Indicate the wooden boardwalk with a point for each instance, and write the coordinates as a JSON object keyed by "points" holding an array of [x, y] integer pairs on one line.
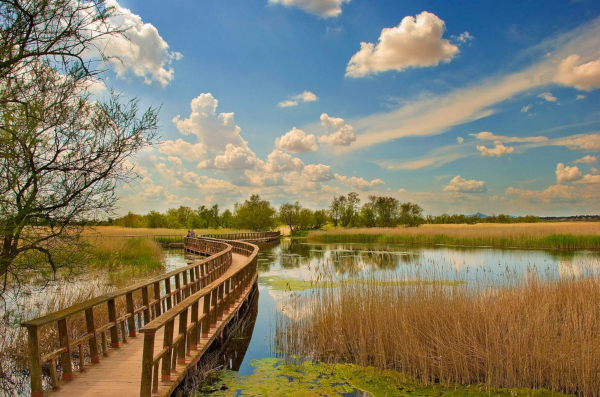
{"points": [[120, 374], [149, 335]]}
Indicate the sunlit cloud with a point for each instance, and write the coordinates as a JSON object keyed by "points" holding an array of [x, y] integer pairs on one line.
{"points": [[358, 183], [415, 42], [583, 76], [320, 8], [436, 115], [459, 184], [589, 159], [297, 141], [567, 174], [498, 150], [340, 133]]}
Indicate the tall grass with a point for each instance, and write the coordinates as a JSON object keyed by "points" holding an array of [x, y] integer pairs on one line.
{"points": [[536, 334], [559, 235]]}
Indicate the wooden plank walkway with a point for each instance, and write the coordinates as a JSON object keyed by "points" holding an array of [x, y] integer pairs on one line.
{"points": [[119, 374]]}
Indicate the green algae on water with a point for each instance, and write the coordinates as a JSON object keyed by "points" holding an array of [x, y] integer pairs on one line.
{"points": [[277, 283], [272, 377], [292, 284]]}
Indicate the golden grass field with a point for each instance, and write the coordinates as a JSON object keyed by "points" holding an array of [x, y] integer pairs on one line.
{"points": [[561, 235]]}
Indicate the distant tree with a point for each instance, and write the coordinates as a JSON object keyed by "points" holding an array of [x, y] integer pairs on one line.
{"points": [[254, 214], [335, 210], [367, 215], [155, 220], [349, 207], [411, 215], [226, 219], [320, 218], [290, 215], [305, 219], [130, 220]]}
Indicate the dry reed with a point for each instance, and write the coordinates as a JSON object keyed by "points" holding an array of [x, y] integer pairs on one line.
{"points": [[536, 334], [560, 235]]}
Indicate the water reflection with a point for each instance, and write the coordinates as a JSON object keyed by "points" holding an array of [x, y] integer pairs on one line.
{"points": [[300, 259]]}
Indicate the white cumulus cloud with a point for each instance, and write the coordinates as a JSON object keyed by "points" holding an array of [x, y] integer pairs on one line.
{"points": [[320, 8], [142, 51], [358, 183], [306, 96], [553, 194], [567, 174], [584, 76], [415, 42], [187, 151], [296, 141], [341, 134], [235, 157], [461, 185], [279, 161], [214, 131], [498, 150], [589, 159], [317, 173]]}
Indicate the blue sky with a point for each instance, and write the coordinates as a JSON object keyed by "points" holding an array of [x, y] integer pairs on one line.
{"points": [[461, 107]]}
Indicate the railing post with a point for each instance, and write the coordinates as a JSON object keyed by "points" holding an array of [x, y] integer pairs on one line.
{"points": [[194, 320], [65, 357], [131, 311], [169, 297], [178, 291], [91, 329], [183, 317], [112, 317], [185, 291], [147, 359], [35, 365], [146, 303], [206, 314], [213, 310], [157, 306], [166, 360]]}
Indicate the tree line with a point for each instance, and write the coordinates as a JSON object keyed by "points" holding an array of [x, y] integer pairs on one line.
{"points": [[343, 211]]}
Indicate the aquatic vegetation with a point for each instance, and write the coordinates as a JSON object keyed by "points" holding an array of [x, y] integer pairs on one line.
{"points": [[275, 377], [536, 333]]}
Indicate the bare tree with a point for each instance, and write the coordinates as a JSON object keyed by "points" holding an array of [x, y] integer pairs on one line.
{"points": [[61, 154]]}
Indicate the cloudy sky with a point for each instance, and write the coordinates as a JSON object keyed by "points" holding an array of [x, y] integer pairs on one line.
{"points": [[462, 107]]}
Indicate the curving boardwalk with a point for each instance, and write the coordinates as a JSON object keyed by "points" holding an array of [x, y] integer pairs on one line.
{"points": [[148, 335]]}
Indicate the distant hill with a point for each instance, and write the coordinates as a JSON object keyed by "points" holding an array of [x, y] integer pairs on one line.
{"points": [[478, 215]]}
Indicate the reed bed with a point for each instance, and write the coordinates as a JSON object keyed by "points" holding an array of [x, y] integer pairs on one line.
{"points": [[537, 333], [559, 235], [124, 231]]}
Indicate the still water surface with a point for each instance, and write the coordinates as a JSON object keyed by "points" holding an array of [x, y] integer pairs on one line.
{"points": [[297, 259]]}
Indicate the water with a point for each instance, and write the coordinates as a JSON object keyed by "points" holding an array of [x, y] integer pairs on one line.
{"points": [[299, 260]]}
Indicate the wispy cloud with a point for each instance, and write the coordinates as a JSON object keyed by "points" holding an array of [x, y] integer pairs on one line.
{"points": [[432, 116]]}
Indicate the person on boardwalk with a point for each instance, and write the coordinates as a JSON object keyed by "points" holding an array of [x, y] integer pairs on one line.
{"points": [[192, 233]]}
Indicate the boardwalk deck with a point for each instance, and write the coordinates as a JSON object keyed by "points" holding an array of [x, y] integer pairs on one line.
{"points": [[120, 373]]}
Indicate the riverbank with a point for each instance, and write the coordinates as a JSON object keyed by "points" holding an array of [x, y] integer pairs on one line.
{"points": [[558, 235]]}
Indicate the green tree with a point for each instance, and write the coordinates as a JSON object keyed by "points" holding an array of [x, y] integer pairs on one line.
{"points": [[155, 220], [226, 219], [290, 215], [254, 214], [61, 154], [411, 215], [320, 218]]}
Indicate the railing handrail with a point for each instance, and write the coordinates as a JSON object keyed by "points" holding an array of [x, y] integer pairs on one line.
{"points": [[77, 308], [159, 322]]}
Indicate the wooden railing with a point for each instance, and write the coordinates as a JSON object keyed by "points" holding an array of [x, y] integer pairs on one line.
{"points": [[197, 315], [117, 314], [249, 236]]}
